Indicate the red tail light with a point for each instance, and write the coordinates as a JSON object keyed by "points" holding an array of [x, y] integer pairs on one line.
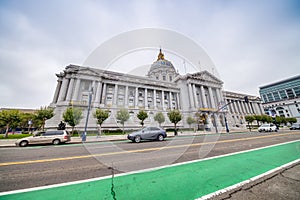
{"points": [[65, 137]]}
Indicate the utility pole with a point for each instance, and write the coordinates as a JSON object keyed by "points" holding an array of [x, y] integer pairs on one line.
{"points": [[83, 137]]}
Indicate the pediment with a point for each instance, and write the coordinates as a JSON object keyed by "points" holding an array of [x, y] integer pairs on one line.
{"points": [[88, 71], [205, 76]]}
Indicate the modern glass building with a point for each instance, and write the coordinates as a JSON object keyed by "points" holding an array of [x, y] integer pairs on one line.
{"points": [[282, 98], [281, 90]]}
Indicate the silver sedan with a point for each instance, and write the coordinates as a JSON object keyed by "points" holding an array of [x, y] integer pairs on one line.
{"points": [[148, 133]]}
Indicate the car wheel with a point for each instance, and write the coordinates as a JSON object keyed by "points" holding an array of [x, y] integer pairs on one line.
{"points": [[137, 139], [23, 143], [160, 137], [260, 131], [56, 141]]}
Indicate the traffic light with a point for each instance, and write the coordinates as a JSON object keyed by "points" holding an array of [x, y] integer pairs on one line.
{"points": [[246, 99]]}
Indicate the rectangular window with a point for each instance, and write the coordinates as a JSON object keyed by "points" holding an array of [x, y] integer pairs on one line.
{"points": [[265, 98], [276, 96], [110, 89], [297, 91], [270, 97], [290, 93], [283, 94]]}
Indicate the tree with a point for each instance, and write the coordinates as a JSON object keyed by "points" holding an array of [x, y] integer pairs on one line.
{"points": [[101, 116], [257, 118], [175, 117], [249, 119], [142, 115], [190, 120], [266, 118], [123, 116], [291, 120], [72, 116], [25, 118], [159, 117], [9, 118], [43, 114]]}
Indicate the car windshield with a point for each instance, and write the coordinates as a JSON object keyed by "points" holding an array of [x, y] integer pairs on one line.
{"points": [[265, 125]]}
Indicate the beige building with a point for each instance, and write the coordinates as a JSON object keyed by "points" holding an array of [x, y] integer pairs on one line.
{"points": [[198, 95]]}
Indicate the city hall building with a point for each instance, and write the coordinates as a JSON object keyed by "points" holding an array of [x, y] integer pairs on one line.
{"points": [[199, 95]]}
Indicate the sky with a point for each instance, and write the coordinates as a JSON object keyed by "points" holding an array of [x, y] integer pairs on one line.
{"points": [[251, 42]]}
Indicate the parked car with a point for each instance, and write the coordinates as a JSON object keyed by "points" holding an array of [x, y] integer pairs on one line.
{"points": [[55, 137], [267, 128], [148, 133], [295, 127]]}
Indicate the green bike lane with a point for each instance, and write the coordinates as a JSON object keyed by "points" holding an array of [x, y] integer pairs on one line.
{"points": [[190, 180]]}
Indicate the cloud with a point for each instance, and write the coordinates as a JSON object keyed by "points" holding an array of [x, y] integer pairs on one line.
{"points": [[252, 43]]}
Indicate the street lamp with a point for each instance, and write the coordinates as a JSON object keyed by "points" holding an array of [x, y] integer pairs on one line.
{"points": [[83, 136]]}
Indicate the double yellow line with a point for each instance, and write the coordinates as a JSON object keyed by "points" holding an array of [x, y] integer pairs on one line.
{"points": [[140, 150]]}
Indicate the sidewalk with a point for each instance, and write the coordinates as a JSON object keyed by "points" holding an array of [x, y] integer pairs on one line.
{"points": [[106, 138]]}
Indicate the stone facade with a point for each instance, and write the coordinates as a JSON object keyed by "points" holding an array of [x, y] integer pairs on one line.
{"points": [[198, 95]]}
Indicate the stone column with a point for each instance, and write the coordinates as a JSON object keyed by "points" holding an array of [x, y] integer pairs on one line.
{"points": [[98, 92], [191, 96], [126, 96], [58, 86], [246, 107], [203, 96], [243, 107], [170, 101], [103, 94], [115, 95], [70, 90], [177, 100], [94, 91], [136, 97], [218, 98], [212, 100], [261, 108], [234, 106], [63, 90], [239, 107], [154, 99], [146, 98], [230, 106], [163, 99], [251, 107], [77, 86], [195, 96], [256, 108]]}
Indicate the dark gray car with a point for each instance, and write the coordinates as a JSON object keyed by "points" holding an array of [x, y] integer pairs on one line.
{"points": [[148, 133]]}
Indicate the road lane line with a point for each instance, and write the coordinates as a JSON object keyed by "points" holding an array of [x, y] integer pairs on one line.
{"points": [[139, 150]]}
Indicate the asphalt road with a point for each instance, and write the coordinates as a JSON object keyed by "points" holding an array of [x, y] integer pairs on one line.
{"points": [[45, 165]]}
